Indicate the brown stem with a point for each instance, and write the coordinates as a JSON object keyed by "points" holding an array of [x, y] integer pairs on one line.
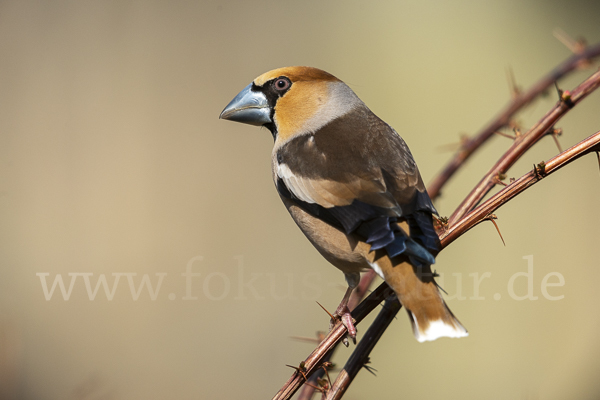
{"points": [[315, 359], [479, 214], [523, 143], [503, 119], [359, 293], [360, 356]]}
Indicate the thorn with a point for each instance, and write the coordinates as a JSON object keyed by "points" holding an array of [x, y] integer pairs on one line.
{"points": [[324, 384], [440, 223], [304, 339], [493, 217], [312, 386], [327, 365], [435, 275], [598, 156], [464, 138], [555, 134], [539, 170], [442, 220], [517, 131], [506, 135], [499, 178], [576, 46], [324, 309], [321, 382], [557, 131], [345, 341], [301, 369], [559, 91], [448, 147], [318, 339], [515, 90], [369, 368]]}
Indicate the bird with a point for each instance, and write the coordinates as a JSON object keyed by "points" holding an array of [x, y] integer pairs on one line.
{"points": [[352, 186]]}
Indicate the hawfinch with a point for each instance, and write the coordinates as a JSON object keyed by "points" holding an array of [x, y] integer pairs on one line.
{"points": [[352, 186]]}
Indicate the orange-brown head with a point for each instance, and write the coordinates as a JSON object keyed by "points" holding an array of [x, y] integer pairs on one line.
{"points": [[292, 101]]}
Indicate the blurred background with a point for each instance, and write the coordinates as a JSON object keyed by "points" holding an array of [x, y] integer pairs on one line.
{"points": [[114, 165]]}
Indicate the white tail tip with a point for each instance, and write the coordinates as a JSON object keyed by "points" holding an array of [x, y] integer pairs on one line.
{"points": [[438, 329]]}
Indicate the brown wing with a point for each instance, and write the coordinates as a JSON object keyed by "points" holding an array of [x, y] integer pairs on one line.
{"points": [[357, 157], [356, 173]]}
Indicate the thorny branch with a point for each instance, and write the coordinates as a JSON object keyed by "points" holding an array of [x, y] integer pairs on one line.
{"points": [[539, 172], [523, 142], [359, 293], [520, 100], [360, 357], [482, 213], [314, 360], [464, 218]]}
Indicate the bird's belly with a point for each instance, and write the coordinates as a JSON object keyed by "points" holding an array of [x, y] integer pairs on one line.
{"points": [[345, 252]]}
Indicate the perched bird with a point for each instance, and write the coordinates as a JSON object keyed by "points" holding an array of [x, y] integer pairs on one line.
{"points": [[352, 186]]}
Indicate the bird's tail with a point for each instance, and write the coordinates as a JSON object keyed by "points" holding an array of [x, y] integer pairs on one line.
{"points": [[419, 295]]}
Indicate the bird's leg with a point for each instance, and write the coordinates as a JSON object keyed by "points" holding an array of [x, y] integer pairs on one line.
{"points": [[343, 313]]}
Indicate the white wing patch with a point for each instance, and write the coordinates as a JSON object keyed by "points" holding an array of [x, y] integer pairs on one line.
{"points": [[377, 269], [311, 190], [294, 185]]}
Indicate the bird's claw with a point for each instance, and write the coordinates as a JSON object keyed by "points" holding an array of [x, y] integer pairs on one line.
{"points": [[348, 322], [343, 315]]}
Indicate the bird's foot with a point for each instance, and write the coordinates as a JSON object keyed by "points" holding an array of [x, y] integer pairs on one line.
{"points": [[343, 314]]}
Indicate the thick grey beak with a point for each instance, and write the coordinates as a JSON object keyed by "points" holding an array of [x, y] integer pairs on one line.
{"points": [[248, 107]]}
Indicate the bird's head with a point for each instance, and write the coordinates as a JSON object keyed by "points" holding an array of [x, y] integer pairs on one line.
{"points": [[291, 101]]}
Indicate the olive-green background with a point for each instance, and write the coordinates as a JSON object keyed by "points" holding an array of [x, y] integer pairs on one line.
{"points": [[113, 160]]}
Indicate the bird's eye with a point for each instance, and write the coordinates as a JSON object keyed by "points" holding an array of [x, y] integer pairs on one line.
{"points": [[282, 84]]}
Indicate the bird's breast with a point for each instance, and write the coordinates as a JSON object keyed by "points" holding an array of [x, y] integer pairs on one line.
{"points": [[345, 252]]}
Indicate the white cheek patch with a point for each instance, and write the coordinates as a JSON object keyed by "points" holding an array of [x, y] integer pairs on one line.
{"points": [[294, 185]]}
